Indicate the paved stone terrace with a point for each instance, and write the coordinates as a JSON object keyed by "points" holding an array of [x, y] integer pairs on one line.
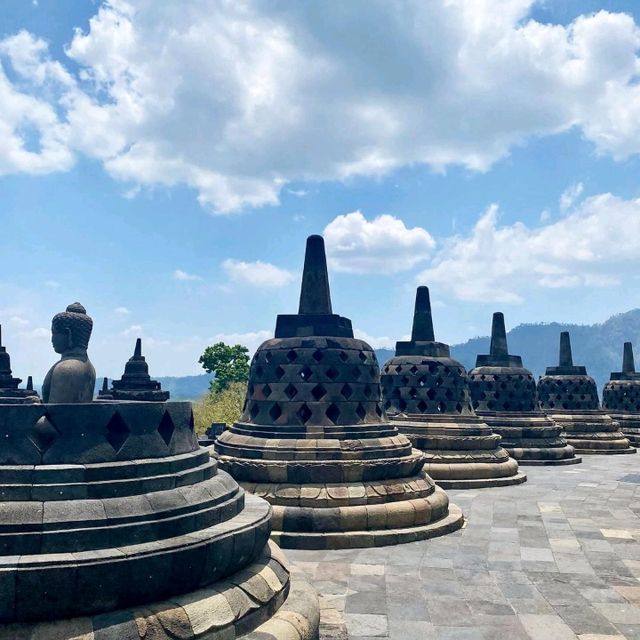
{"points": [[553, 559]]}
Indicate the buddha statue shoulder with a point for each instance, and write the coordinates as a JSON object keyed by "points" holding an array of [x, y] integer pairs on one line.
{"points": [[72, 379]]}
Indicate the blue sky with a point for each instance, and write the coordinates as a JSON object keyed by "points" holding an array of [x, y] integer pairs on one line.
{"points": [[164, 167]]}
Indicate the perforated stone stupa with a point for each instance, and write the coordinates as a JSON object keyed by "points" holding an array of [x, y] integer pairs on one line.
{"points": [[621, 396], [427, 397], [115, 525], [314, 439], [503, 393], [136, 383], [10, 393], [570, 397]]}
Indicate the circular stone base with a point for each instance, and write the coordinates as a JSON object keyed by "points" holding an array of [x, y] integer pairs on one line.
{"points": [[374, 538], [541, 463], [481, 483], [605, 452], [263, 601]]}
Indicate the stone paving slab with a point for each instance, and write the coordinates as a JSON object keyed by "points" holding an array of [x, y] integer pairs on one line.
{"points": [[555, 558]]}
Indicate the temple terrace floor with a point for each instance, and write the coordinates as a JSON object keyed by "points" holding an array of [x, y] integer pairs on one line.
{"points": [[557, 557]]}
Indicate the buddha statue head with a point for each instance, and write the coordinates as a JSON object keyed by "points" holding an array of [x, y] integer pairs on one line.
{"points": [[71, 329]]}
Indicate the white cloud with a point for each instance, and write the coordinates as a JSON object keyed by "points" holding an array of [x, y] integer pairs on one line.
{"points": [[236, 100], [39, 333], [570, 196], [183, 276], [252, 339], [384, 245], [52, 284], [121, 311], [18, 321], [377, 342], [257, 274], [134, 330], [591, 246]]}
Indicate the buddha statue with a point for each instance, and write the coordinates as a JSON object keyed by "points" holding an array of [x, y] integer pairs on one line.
{"points": [[72, 379]]}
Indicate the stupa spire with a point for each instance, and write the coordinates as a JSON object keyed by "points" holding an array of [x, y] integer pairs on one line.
{"points": [[315, 296], [30, 383], [137, 352], [422, 320], [499, 348], [628, 362], [566, 358]]}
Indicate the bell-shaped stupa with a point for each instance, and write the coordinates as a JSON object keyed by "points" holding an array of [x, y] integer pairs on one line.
{"points": [[504, 394], [314, 439], [570, 398], [136, 383], [621, 396], [10, 393], [426, 394], [116, 524]]}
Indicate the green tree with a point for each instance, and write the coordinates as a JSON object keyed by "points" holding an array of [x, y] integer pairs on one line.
{"points": [[227, 363], [222, 406]]}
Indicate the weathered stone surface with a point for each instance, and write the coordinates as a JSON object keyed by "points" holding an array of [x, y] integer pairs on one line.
{"points": [[504, 395], [314, 430], [570, 397], [427, 397]]}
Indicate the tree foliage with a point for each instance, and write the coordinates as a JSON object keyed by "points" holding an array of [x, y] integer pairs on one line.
{"points": [[219, 406], [228, 364]]}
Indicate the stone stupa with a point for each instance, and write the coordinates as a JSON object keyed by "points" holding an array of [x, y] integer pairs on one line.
{"points": [[136, 383], [570, 398], [10, 393], [504, 394], [314, 439], [427, 397], [116, 525], [621, 396]]}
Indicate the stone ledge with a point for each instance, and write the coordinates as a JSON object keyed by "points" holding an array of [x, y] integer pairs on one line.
{"points": [[483, 483]]}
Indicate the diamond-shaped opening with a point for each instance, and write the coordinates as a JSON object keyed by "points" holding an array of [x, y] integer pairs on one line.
{"points": [[413, 392], [43, 433], [404, 380], [433, 367], [275, 412], [442, 407], [118, 431], [356, 373], [421, 381], [360, 412], [268, 357], [431, 394], [459, 408], [304, 413], [266, 390], [343, 356], [439, 381], [422, 406], [362, 357], [290, 391], [414, 370], [333, 413], [332, 373], [292, 356], [317, 355], [166, 428], [402, 405], [255, 410], [318, 392], [398, 368], [378, 410], [279, 373], [346, 391]]}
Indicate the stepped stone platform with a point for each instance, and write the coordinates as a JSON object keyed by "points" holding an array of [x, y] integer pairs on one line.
{"points": [[504, 395], [315, 442], [115, 524], [570, 397], [621, 397], [427, 397]]}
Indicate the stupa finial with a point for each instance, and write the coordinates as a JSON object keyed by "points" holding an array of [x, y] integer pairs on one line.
{"points": [[105, 385], [137, 353], [498, 347], [29, 383], [422, 320], [315, 296], [566, 358], [628, 363]]}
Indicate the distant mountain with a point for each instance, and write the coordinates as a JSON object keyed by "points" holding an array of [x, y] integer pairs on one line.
{"points": [[181, 387], [597, 346]]}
